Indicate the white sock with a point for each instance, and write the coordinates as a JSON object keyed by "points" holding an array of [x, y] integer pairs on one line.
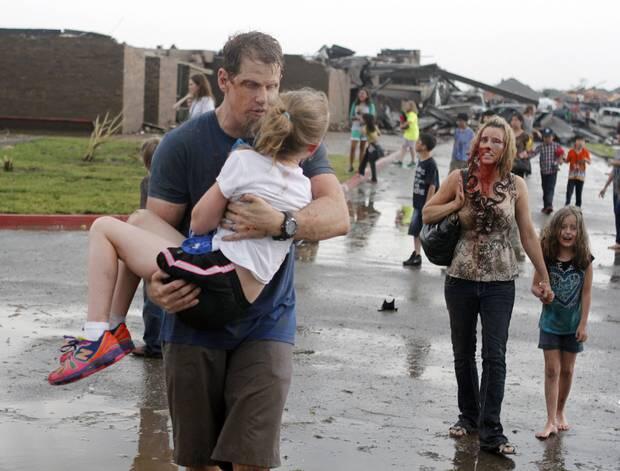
{"points": [[116, 320], [94, 330]]}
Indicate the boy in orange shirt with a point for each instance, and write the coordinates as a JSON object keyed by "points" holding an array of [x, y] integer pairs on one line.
{"points": [[578, 157]]}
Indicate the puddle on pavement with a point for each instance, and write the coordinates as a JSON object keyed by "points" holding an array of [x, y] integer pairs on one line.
{"points": [[370, 240], [118, 417], [467, 457], [385, 355]]}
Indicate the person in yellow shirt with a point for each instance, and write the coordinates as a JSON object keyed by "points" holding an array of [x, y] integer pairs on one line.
{"points": [[411, 132]]}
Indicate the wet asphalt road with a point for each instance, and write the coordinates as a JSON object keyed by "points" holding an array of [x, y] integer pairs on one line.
{"points": [[371, 390]]}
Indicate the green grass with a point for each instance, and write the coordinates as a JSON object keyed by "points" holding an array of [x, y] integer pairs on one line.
{"points": [[602, 150], [341, 166], [49, 177]]}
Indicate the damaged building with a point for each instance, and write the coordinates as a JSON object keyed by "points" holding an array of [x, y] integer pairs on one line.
{"points": [[64, 79], [396, 75]]}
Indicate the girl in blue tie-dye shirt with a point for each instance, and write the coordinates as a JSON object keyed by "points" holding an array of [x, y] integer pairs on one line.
{"points": [[563, 322]]}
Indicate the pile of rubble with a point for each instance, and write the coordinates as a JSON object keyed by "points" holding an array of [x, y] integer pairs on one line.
{"points": [[396, 75]]}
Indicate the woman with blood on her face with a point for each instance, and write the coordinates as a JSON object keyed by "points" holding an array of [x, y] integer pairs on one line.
{"points": [[488, 198]]}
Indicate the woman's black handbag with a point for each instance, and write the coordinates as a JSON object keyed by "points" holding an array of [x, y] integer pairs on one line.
{"points": [[439, 239]]}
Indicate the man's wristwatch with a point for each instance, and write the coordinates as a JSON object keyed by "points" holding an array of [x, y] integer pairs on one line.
{"points": [[288, 229]]}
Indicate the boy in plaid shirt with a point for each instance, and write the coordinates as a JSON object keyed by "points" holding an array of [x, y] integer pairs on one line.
{"points": [[551, 156]]}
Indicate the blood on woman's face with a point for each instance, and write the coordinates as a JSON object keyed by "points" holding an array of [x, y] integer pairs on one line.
{"points": [[491, 146]]}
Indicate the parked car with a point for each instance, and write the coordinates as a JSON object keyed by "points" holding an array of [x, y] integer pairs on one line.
{"points": [[607, 117]]}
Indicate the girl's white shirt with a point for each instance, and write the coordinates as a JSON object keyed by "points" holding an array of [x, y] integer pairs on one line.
{"points": [[283, 187], [201, 106]]}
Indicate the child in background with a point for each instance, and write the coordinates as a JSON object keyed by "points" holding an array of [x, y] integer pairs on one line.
{"points": [[578, 157], [373, 149], [146, 152], [425, 184], [551, 155], [463, 135], [233, 275], [563, 322], [152, 314], [614, 178], [411, 132], [362, 105]]}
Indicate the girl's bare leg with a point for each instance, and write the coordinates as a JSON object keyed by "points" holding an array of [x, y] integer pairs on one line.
{"points": [[567, 367], [352, 154], [552, 376], [109, 241], [400, 153], [413, 154], [127, 282]]}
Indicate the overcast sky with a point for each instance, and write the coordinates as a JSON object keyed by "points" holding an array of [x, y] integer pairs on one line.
{"points": [[544, 43]]}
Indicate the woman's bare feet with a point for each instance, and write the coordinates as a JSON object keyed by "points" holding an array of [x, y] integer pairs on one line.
{"points": [[550, 429], [561, 422]]}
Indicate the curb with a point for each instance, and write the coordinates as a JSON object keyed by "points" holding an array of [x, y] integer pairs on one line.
{"points": [[357, 179], [52, 222]]}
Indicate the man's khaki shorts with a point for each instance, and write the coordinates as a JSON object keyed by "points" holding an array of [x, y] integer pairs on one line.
{"points": [[226, 406]]}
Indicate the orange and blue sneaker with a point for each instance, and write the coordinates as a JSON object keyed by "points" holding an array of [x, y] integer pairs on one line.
{"points": [[82, 358], [121, 332]]}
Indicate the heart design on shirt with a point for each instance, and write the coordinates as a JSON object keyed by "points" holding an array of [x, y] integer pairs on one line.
{"points": [[566, 286]]}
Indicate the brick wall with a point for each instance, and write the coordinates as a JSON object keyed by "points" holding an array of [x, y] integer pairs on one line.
{"points": [[339, 91], [167, 91], [298, 73], [48, 75], [151, 90], [160, 90], [133, 89]]}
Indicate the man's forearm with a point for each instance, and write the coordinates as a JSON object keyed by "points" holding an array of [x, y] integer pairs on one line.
{"points": [[327, 215], [323, 218]]}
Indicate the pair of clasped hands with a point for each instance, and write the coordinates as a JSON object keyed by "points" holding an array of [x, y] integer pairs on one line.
{"points": [[542, 290]]}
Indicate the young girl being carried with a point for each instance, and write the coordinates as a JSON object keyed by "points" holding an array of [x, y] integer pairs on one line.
{"points": [[563, 322], [233, 275]]}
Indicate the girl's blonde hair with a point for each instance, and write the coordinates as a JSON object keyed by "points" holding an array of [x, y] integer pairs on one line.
{"points": [[147, 150], [504, 164], [551, 234], [410, 105], [297, 120]]}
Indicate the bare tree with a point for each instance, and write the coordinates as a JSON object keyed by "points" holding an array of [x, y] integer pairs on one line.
{"points": [[102, 131]]}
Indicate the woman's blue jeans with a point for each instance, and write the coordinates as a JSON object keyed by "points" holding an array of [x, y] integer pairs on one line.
{"points": [[480, 404]]}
